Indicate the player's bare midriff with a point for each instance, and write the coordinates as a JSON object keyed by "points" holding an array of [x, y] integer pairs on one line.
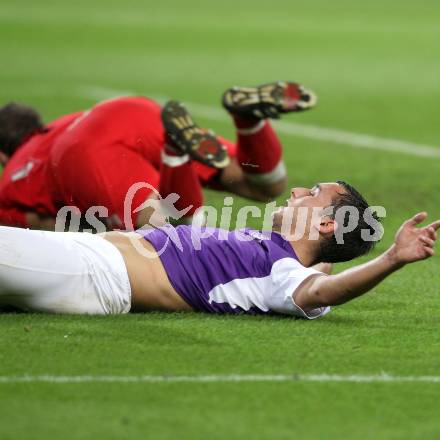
{"points": [[150, 286]]}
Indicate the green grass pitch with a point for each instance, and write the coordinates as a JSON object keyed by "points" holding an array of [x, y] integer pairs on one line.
{"points": [[376, 68]]}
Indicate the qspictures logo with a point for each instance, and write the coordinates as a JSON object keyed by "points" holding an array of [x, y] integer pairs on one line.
{"points": [[293, 223]]}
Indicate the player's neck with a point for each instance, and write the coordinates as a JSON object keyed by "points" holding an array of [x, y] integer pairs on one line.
{"points": [[306, 250]]}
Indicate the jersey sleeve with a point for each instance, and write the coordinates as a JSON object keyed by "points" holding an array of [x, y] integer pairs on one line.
{"points": [[287, 275]]}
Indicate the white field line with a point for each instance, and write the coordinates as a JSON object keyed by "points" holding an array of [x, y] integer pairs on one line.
{"points": [[323, 378], [356, 140]]}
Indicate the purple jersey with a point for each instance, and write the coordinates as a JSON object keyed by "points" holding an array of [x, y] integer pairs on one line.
{"points": [[242, 271]]}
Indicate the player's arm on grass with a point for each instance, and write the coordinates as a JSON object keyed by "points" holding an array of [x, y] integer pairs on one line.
{"points": [[24, 219], [410, 244], [37, 221]]}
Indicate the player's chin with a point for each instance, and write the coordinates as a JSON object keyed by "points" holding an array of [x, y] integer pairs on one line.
{"points": [[284, 215], [277, 216]]}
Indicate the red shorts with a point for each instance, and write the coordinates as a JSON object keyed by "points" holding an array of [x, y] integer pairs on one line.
{"points": [[119, 180], [111, 159]]}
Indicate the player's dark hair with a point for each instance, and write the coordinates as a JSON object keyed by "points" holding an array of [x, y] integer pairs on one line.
{"points": [[17, 122], [354, 245]]}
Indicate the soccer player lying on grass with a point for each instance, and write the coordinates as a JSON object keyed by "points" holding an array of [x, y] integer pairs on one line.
{"points": [[93, 158], [207, 269]]}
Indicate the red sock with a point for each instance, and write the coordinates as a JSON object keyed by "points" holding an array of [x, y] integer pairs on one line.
{"points": [[177, 175], [259, 149]]}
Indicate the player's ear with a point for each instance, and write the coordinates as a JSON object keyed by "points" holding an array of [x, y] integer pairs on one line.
{"points": [[327, 226]]}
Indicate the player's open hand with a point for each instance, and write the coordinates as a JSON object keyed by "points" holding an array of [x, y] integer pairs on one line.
{"points": [[412, 243]]}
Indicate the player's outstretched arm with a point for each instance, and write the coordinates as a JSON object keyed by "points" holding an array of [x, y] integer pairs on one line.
{"points": [[410, 244]]}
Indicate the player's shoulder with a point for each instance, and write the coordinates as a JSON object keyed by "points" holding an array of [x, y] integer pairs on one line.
{"points": [[63, 121], [139, 103]]}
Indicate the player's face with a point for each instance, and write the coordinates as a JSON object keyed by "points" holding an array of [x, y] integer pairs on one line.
{"points": [[312, 202], [320, 195]]}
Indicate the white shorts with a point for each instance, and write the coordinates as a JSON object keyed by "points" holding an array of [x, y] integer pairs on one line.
{"points": [[62, 272]]}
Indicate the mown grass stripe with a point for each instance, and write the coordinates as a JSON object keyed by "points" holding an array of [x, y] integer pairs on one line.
{"points": [[224, 378]]}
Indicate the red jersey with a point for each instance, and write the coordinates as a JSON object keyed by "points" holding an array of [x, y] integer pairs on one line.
{"points": [[90, 159]]}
